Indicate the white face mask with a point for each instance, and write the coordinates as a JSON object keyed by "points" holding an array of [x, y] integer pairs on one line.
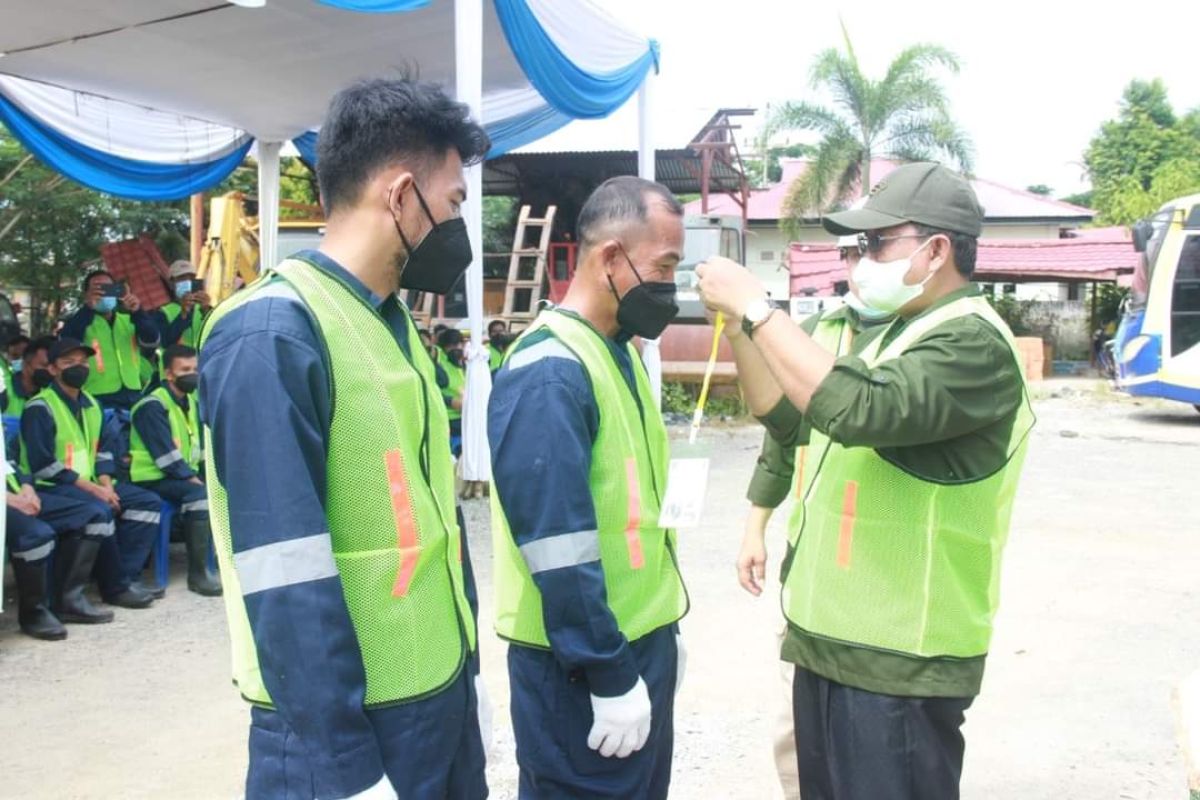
{"points": [[864, 311], [881, 285]]}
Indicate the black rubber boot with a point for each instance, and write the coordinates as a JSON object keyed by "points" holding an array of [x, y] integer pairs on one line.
{"points": [[200, 580], [75, 558], [33, 603]]}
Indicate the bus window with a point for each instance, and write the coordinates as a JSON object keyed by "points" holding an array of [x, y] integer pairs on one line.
{"points": [[1185, 298], [731, 245]]}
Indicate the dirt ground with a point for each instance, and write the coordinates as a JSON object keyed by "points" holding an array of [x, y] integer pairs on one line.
{"points": [[1096, 626]]}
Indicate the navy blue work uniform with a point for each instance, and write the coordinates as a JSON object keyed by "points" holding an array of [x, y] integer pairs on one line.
{"points": [[265, 394], [147, 338], [545, 492], [150, 420], [121, 558]]}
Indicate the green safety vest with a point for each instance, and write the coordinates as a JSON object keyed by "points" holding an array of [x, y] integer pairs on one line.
{"points": [[835, 335], [495, 357], [389, 500], [75, 444], [893, 561], [185, 433], [117, 364], [628, 477], [191, 334], [458, 379]]}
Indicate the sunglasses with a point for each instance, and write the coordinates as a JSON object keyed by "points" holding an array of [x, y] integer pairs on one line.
{"points": [[872, 243]]}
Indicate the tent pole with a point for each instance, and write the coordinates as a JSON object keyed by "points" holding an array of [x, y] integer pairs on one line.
{"points": [[197, 223], [651, 355], [268, 204], [468, 81]]}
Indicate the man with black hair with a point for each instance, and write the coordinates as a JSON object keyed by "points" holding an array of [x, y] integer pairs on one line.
{"points": [[348, 587], [69, 453], [497, 342], [112, 323], [891, 580], [165, 455], [32, 377], [588, 590], [450, 361]]}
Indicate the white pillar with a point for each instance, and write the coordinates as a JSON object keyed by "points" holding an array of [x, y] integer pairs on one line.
{"points": [[651, 356], [468, 81], [268, 204]]}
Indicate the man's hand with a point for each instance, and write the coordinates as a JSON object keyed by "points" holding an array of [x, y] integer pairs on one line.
{"points": [[728, 287], [22, 503], [457, 403], [186, 304], [202, 299], [130, 302], [194, 479], [93, 295], [31, 497], [102, 491], [621, 725], [752, 558]]}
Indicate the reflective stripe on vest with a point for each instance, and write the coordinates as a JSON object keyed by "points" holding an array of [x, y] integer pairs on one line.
{"points": [[628, 473], [894, 561], [834, 335], [75, 446], [143, 466], [117, 362], [389, 501]]}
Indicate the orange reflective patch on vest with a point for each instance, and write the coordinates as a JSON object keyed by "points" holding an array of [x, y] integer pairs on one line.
{"points": [[846, 534], [633, 521], [406, 525], [99, 357]]}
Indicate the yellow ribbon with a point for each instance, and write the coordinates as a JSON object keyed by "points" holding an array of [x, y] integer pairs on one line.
{"points": [[698, 415]]}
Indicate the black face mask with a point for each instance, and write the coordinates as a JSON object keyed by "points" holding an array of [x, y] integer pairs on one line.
{"points": [[187, 383], [646, 309], [75, 376], [42, 378], [438, 260]]}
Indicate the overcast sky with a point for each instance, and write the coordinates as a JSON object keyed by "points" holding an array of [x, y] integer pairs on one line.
{"points": [[1037, 78]]}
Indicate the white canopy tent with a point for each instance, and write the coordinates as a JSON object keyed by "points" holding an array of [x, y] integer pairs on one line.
{"points": [[159, 99]]}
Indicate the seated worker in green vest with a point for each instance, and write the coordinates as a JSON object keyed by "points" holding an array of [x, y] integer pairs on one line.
{"points": [[62, 447], [779, 474], [496, 337], [42, 527], [11, 366], [450, 361], [891, 582], [114, 326], [166, 450], [181, 319], [588, 591], [31, 378]]}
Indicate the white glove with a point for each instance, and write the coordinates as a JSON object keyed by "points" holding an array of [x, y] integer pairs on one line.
{"points": [[382, 790], [621, 725], [483, 708], [681, 662]]}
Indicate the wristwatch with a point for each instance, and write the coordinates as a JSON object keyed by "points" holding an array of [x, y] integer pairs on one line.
{"points": [[755, 314]]}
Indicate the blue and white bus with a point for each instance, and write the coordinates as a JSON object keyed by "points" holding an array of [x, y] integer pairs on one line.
{"points": [[1157, 346]]}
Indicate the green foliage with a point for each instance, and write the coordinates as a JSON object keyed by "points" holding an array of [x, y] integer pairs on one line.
{"points": [[681, 398], [51, 227], [904, 116], [1014, 312], [1144, 157], [499, 225], [677, 399], [774, 172], [1109, 297], [1040, 189]]}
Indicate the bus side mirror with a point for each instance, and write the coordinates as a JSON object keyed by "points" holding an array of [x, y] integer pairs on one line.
{"points": [[1142, 231]]}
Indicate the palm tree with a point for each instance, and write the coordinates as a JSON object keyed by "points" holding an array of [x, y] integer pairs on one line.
{"points": [[905, 116]]}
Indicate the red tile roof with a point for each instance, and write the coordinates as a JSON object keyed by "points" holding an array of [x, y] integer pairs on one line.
{"points": [[815, 267], [999, 202]]}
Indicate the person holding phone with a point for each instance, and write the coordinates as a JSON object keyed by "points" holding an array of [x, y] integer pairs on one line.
{"points": [[113, 324], [180, 320]]}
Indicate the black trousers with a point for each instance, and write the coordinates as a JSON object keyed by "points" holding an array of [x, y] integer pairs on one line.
{"points": [[857, 745]]}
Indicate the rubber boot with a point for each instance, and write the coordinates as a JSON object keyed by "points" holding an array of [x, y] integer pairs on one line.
{"points": [[33, 606], [76, 556], [200, 580]]}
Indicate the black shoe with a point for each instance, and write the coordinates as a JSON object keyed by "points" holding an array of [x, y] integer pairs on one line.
{"points": [[197, 536], [76, 556], [33, 609], [155, 591], [133, 597]]}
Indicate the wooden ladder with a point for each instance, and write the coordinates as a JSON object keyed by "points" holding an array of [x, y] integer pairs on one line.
{"points": [[527, 270]]}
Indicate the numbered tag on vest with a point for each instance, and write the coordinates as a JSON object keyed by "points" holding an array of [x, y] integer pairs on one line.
{"points": [[687, 483]]}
